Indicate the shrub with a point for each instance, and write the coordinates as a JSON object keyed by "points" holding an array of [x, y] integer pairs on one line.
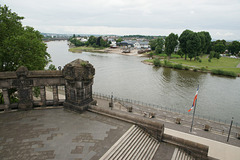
{"points": [[186, 67], [157, 62], [203, 69], [167, 64], [195, 69], [200, 60], [178, 66], [225, 73]]}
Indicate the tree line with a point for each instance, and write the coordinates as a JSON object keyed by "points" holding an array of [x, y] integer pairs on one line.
{"points": [[96, 42], [193, 45]]}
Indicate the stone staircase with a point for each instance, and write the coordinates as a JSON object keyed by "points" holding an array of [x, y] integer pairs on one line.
{"points": [[179, 154], [134, 144]]}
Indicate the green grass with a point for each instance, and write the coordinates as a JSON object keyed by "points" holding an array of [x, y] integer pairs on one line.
{"points": [[223, 66], [224, 63], [86, 49], [172, 55]]}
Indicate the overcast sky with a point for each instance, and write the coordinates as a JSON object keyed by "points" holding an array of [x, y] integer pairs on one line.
{"points": [[123, 17]]}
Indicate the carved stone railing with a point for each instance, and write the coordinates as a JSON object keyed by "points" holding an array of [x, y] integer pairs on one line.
{"points": [[77, 77]]}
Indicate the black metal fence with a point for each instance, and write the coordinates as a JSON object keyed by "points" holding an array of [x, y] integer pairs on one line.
{"points": [[217, 125]]}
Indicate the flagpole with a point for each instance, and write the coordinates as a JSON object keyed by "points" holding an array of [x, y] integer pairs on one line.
{"points": [[194, 113]]}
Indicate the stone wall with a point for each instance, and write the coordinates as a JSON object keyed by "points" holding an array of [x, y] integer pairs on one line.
{"points": [[77, 77]]}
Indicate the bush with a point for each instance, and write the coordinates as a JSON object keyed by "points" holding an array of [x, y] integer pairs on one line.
{"points": [[195, 69], [186, 67], [167, 64], [225, 73], [200, 60], [203, 69], [178, 66], [157, 62]]}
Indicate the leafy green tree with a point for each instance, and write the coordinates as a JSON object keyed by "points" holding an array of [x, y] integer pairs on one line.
{"points": [[98, 41], [234, 47], [20, 46], [202, 43], [119, 40], [171, 42], [92, 40], [219, 47], [180, 53], [193, 45], [183, 41], [52, 67], [208, 39], [157, 45]]}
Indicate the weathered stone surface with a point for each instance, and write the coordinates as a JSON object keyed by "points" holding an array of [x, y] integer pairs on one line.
{"points": [[79, 70], [79, 80], [77, 77]]}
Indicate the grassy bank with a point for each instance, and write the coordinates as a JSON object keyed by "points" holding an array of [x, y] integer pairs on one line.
{"points": [[223, 66], [87, 49]]}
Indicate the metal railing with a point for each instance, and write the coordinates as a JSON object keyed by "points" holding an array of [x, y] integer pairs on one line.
{"points": [[216, 125]]}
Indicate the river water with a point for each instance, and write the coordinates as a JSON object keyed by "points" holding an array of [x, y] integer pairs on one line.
{"points": [[127, 77]]}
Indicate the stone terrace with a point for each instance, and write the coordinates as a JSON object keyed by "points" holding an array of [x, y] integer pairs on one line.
{"points": [[61, 134]]}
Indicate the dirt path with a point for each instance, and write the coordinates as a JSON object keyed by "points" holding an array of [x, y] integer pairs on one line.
{"points": [[238, 66]]}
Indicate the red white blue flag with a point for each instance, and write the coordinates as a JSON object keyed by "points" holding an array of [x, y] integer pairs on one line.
{"points": [[194, 101]]}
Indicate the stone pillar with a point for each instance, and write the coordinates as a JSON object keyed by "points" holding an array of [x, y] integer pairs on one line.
{"points": [[55, 96], [24, 86], [6, 98], [43, 95], [79, 80]]}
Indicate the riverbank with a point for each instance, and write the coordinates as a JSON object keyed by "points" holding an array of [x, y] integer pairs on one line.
{"points": [[224, 66], [133, 52]]}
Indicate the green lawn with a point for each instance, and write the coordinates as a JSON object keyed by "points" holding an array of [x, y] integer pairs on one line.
{"points": [[224, 63]]}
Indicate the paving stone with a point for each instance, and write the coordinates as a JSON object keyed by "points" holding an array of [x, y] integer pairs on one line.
{"points": [[57, 134]]}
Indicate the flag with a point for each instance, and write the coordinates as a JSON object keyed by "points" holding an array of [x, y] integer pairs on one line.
{"points": [[194, 101]]}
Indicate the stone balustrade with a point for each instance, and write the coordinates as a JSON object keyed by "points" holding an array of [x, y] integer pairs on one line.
{"points": [[76, 78]]}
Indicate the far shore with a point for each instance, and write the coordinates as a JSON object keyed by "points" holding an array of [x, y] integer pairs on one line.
{"points": [[133, 52]]}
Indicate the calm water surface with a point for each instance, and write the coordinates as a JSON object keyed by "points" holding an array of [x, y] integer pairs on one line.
{"points": [[128, 77]]}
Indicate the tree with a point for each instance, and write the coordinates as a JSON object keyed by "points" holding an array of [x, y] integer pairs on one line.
{"points": [[20, 46], [98, 41], [92, 40], [219, 48], [157, 45], [171, 42], [52, 67], [193, 45], [234, 47], [183, 41], [119, 40], [208, 39], [202, 43]]}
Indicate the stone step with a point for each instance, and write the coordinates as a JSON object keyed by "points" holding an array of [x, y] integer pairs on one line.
{"points": [[120, 141], [180, 154], [134, 144]]}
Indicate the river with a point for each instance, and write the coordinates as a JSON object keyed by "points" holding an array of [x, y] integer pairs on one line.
{"points": [[127, 77]]}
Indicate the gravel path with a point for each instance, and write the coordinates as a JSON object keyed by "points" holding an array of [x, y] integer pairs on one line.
{"points": [[238, 66]]}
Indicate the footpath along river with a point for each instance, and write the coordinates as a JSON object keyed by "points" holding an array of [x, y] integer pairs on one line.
{"points": [[127, 77]]}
